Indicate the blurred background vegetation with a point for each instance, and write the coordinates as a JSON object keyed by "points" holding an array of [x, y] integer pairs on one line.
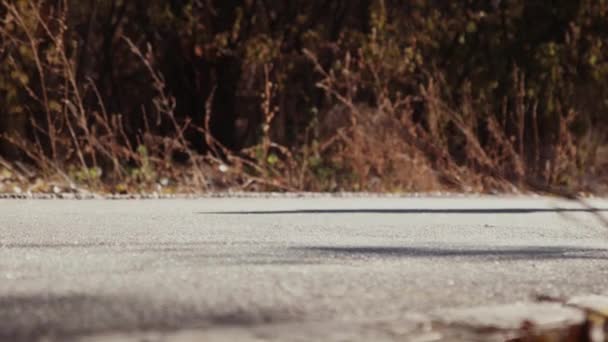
{"points": [[324, 95]]}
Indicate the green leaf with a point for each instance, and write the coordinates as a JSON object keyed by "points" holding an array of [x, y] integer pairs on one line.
{"points": [[272, 159]]}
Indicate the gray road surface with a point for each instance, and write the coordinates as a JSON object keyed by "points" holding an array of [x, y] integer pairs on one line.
{"points": [[227, 267]]}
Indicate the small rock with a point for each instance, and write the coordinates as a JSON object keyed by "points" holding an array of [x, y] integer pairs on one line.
{"points": [[591, 302], [512, 316]]}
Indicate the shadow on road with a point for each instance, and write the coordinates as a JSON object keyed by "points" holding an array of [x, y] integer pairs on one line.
{"points": [[104, 244], [55, 317], [238, 253], [501, 253], [414, 211]]}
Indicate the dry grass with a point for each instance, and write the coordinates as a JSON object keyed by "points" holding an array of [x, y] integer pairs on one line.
{"points": [[388, 147], [386, 142]]}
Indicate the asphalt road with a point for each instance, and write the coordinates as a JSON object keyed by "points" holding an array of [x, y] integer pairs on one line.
{"points": [[111, 268]]}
